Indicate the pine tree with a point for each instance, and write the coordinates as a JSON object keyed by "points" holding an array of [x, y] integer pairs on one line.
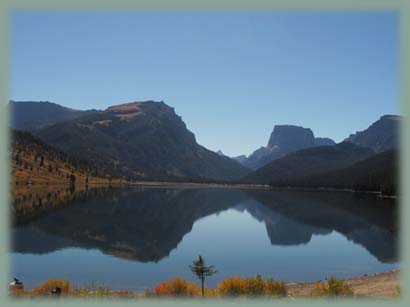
{"points": [[201, 271]]}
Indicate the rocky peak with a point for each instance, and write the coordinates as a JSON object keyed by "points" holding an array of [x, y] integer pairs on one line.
{"points": [[289, 137]]}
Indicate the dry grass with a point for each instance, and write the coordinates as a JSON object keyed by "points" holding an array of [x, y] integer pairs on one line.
{"points": [[378, 285]]}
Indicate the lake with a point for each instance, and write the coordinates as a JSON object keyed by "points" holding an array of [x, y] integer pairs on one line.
{"points": [[134, 238]]}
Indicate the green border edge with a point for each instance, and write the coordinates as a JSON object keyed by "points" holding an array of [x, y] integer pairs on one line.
{"points": [[402, 6]]}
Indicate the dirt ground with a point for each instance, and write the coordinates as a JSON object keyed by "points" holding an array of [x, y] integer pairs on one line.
{"points": [[378, 285]]}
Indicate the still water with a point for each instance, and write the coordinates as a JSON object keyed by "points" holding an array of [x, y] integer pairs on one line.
{"points": [[134, 238]]}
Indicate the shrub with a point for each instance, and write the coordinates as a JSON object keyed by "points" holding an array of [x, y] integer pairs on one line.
{"points": [[49, 285], [333, 287], [232, 286], [176, 287], [275, 288], [255, 286]]}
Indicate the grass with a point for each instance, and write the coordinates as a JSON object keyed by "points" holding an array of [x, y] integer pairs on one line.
{"points": [[333, 288]]}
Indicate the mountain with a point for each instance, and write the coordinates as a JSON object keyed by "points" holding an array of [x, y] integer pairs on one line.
{"points": [[284, 139], [377, 173], [380, 136], [324, 142], [219, 152], [33, 116], [143, 140], [310, 161], [241, 159]]}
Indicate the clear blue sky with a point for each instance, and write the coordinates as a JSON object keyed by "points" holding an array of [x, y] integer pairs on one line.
{"points": [[231, 75]]}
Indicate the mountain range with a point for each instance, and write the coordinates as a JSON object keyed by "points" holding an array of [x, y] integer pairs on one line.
{"points": [[366, 160], [149, 141]]}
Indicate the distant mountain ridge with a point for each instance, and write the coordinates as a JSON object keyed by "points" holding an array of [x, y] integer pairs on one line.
{"points": [[35, 115], [283, 140], [141, 140], [380, 136], [148, 140]]}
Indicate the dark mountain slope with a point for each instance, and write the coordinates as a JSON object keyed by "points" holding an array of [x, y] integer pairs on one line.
{"points": [[377, 173], [310, 161], [141, 140]]}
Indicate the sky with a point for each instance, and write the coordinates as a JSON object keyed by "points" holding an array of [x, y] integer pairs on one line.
{"points": [[230, 75]]}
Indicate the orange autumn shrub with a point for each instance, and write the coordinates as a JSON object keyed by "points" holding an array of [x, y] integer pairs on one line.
{"points": [[232, 286], [176, 287], [254, 286]]}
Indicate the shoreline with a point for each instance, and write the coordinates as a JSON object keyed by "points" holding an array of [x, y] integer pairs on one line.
{"points": [[378, 285], [382, 285], [185, 185]]}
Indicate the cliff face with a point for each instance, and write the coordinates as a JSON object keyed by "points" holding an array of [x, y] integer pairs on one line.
{"points": [[284, 139]]}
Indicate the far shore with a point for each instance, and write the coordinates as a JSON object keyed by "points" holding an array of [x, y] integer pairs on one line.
{"points": [[233, 185]]}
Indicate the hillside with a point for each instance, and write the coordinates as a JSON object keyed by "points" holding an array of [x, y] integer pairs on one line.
{"points": [[35, 115], [308, 162], [142, 140], [33, 162], [377, 173]]}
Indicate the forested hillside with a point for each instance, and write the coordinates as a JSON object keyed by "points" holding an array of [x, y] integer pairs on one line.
{"points": [[33, 162]]}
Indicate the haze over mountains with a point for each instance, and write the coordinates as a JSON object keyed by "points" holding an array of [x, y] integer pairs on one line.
{"points": [[148, 140]]}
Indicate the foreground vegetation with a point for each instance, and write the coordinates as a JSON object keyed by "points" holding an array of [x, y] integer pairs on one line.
{"points": [[251, 287]]}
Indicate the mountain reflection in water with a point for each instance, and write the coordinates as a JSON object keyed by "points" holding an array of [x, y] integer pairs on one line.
{"points": [[146, 224]]}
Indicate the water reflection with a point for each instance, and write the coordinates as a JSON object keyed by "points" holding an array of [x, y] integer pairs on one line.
{"points": [[146, 224]]}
